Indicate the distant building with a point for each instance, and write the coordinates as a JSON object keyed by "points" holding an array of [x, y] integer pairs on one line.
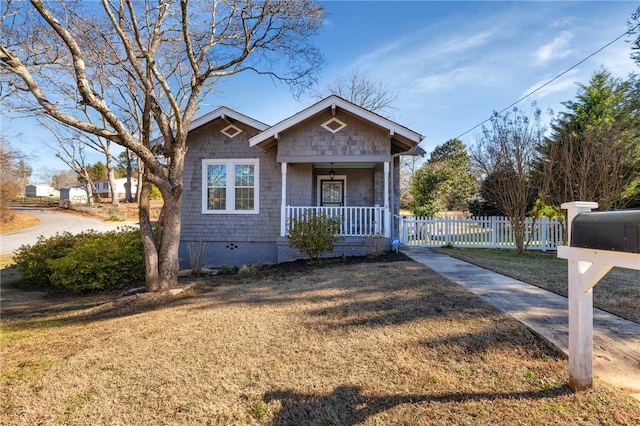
{"points": [[102, 188], [41, 191], [73, 195]]}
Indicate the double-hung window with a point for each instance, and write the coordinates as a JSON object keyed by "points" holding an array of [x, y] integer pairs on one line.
{"points": [[230, 186]]}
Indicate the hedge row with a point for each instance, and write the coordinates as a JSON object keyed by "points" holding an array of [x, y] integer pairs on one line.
{"points": [[85, 262]]}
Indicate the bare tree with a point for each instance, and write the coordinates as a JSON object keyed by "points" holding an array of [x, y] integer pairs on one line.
{"points": [[592, 165], [159, 57], [72, 154], [63, 178], [71, 151], [128, 161], [507, 154], [409, 165], [358, 89], [13, 173]]}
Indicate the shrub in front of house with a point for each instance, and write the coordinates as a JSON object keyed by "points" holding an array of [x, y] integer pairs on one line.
{"points": [[33, 260], [85, 262], [314, 233]]}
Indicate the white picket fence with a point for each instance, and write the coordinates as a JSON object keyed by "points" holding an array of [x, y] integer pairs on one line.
{"points": [[477, 232]]}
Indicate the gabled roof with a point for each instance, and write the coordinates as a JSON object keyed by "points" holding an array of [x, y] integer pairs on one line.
{"points": [[224, 113], [334, 102]]}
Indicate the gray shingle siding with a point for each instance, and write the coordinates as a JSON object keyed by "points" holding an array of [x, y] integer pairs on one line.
{"points": [[231, 253], [357, 139], [238, 239], [300, 183], [219, 230]]}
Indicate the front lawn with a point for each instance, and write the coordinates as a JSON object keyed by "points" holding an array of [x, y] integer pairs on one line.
{"points": [[16, 222], [374, 343], [618, 292]]}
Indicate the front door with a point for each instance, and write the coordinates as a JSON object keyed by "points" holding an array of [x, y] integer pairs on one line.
{"points": [[332, 193]]}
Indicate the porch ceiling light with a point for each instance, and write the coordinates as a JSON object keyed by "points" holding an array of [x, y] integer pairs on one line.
{"points": [[331, 172]]}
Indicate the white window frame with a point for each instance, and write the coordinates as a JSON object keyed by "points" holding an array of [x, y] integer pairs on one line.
{"points": [[231, 193]]}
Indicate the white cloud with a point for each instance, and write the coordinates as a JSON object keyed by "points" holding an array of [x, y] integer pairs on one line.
{"points": [[420, 50], [564, 83], [616, 59], [443, 81], [558, 48], [421, 63]]}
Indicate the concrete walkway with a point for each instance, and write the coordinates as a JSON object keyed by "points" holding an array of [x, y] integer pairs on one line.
{"points": [[616, 347]]}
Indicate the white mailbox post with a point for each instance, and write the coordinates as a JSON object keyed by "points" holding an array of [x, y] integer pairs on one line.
{"points": [[586, 267]]}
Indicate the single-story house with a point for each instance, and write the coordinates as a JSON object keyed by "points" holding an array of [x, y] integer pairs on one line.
{"points": [[40, 191], [245, 180], [101, 188], [73, 195]]}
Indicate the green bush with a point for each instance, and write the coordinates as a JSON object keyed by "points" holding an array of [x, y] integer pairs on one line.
{"points": [[155, 193], [33, 260], [85, 262], [314, 234]]}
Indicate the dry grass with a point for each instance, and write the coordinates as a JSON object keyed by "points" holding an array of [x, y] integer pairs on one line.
{"points": [[16, 222], [124, 212], [385, 343], [6, 260], [618, 292]]}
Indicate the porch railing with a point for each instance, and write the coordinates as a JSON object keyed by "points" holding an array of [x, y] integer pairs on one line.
{"points": [[354, 221]]}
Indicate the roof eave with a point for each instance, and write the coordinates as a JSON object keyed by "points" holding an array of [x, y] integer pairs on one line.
{"points": [[333, 102], [224, 112]]}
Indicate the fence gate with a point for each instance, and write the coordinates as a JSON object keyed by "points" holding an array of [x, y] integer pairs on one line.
{"points": [[477, 232]]}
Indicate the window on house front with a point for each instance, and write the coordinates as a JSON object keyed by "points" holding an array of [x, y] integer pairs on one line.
{"points": [[230, 186]]}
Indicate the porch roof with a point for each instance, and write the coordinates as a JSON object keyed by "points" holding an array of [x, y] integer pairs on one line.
{"points": [[403, 136]]}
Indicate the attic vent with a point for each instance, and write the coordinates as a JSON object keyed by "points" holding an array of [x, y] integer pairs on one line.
{"points": [[231, 131], [334, 125]]}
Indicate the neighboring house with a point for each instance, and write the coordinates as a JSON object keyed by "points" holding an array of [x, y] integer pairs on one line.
{"points": [[73, 195], [244, 180], [41, 191], [102, 188]]}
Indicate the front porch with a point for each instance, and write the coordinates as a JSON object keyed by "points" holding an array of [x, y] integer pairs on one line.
{"points": [[354, 221], [358, 193]]}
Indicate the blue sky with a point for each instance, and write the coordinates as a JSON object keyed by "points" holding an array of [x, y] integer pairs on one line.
{"points": [[451, 63]]}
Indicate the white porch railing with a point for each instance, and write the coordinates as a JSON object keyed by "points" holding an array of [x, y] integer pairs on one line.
{"points": [[355, 221], [480, 232]]}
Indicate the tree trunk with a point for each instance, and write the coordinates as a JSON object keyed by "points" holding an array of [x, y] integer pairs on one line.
{"points": [[518, 232], [139, 187], [161, 244], [169, 261], [113, 189], [128, 194], [148, 239], [89, 182]]}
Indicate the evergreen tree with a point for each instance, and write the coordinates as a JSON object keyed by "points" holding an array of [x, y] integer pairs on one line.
{"points": [[445, 182], [593, 153]]}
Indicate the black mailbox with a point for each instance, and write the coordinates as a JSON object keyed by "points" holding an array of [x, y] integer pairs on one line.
{"points": [[617, 230]]}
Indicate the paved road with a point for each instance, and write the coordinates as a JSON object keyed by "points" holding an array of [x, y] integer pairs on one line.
{"points": [[616, 349], [50, 223]]}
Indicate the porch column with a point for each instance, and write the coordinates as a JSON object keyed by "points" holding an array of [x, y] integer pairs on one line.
{"points": [[387, 213], [283, 206]]}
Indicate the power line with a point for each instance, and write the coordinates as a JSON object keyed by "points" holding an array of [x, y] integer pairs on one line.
{"points": [[553, 79]]}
